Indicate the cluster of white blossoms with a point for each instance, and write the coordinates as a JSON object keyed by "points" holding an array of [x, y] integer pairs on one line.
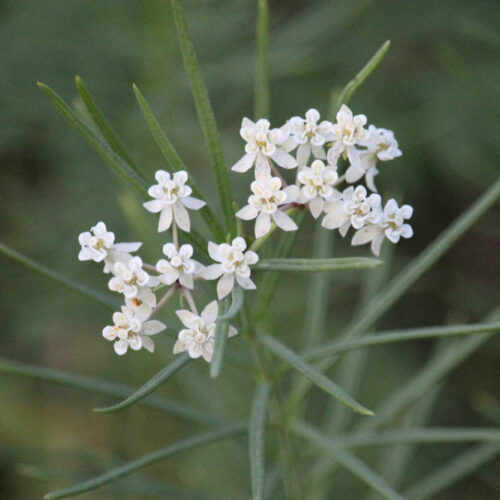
{"points": [[322, 148]]}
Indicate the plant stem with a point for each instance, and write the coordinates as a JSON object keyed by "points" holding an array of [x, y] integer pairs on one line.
{"points": [[190, 300], [163, 300], [261, 89]]}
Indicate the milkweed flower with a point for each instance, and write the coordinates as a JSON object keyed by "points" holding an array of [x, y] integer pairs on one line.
{"points": [[131, 280], [347, 133], [380, 145], [131, 329], [263, 204], [262, 145], [198, 336], [352, 207], [233, 261], [310, 136], [390, 224], [317, 185], [179, 266], [171, 198]]}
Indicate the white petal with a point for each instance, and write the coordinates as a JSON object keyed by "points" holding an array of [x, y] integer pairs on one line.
{"points": [[195, 350], [318, 152], [288, 145], [152, 327], [354, 173], [262, 225], [244, 163], [377, 243], [147, 296], [143, 312], [127, 247], [262, 167], [135, 342], [121, 347], [212, 272], [192, 203], [182, 217], [170, 276], [245, 283], [109, 332], [232, 331], [209, 314], [153, 206], [335, 216], [248, 212], [148, 343], [316, 207], [292, 193], [284, 221], [186, 280], [303, 153], [187, 317], [214, 252], [165, 219], [365, 235], [179, 347], [225, 285], [284, 160], [344, 227]]}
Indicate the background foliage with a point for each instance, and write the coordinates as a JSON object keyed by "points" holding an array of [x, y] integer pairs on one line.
{"points": [[437, 89]]}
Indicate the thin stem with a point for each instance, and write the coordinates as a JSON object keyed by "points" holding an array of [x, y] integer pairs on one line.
{"points": [[261, 89], [189, 297], [149, 267], [175, 235], [163, 300], [278, 175]]}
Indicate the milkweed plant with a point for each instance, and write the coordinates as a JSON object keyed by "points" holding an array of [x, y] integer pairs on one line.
{"points": [[307, 169]]}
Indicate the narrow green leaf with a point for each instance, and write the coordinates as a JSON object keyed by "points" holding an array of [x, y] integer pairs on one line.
{"points": [[384, 338], [151, 385], [352, 86], [429, 436], [315, 265], [220, 338], [104, 387], [205, 116], [60, 279], [257, 440], [347, 460], [261, 88], [451, 472], [105, 151], [176, 163], [312, 373], [238, 297], [127, 469], [104, 127]]}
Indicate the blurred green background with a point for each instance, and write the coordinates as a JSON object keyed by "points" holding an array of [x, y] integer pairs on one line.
{"points": [[437, 89]]}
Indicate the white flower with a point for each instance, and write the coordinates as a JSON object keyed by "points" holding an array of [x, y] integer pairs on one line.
{"points": [[318, 182], [380, 145], [310, 135], [347, 133], [262, 145], [172, 197], [264, 204], [131, 329], [198, 336], [131, 280], [390, 225], [234, 262], [179, 266], [99, 245], [351, 208]]}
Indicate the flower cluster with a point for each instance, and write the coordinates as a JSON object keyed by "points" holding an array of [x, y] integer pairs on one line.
{"points": [[321, 148]]}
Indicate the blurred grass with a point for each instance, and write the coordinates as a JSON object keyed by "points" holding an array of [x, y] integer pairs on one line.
{"points": [[437, 89]]}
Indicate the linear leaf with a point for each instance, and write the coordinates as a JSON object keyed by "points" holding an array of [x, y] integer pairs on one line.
{"points": [[257, 440], [104, 127], [352, 86], [384, 338], [315, 376], [261, 88], [315, 265], [452, 471], [60, 279], [97, 142], [205, 116], [347, 460], [100, 386], [151, 385], [125, 470], [220, 338], [238, 297], [175, 162]]}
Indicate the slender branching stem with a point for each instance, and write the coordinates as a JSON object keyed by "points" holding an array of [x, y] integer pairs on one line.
{"points": [[189, 298], [163, 300], [175, 235]]}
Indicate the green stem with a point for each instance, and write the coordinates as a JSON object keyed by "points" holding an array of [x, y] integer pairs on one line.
{"points": [[261, 90]]}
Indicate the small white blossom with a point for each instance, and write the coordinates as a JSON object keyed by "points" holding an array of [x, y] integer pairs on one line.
{"points": [[351, 208], [172, 197], [178, 266], [390, 225], [234, 261], [310, 136], [264, 204], [131, 329], [198, 336], [262, 146], [99, 245], [347, 133], [131, 280], [318, 181], [380, 145]]}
